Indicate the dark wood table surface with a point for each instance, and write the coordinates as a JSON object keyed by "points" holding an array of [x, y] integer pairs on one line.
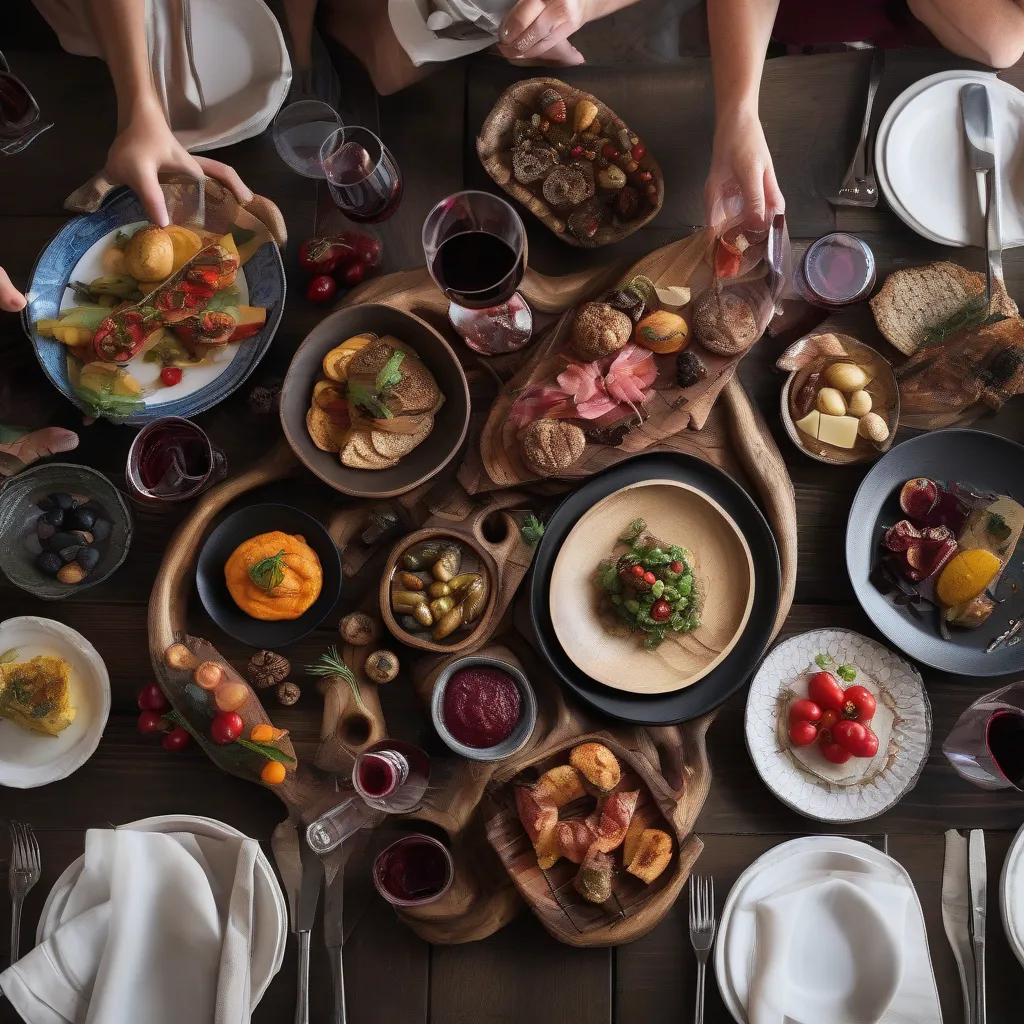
{"points": [[812, 109]]}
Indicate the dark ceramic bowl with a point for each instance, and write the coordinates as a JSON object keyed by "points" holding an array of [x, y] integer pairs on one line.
{"points": [[240, 526], [450, 424]]}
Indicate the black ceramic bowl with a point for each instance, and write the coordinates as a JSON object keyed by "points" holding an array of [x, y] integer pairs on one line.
{"points": [[732, 673], [240, 526], [983, 462]]}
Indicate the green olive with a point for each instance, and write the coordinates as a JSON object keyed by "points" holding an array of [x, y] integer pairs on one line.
{"points": [[447, 564], [439, 589], [441, 606], [421, 557], [449, 623], [423, 615]]}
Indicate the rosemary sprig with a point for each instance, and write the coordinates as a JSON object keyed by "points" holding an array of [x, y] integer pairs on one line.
{"points": [[268, 573], [331, 666], [972, 314]]}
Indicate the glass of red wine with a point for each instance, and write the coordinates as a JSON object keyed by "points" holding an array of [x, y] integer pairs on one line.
{"points": [[475, 245], [172, 459], [362, 174], [986, 746], [416, 869]]}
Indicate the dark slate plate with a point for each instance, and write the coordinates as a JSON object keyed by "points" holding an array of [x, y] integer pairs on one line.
{"points": [[984, 462], [241, 526], [737, 668]]}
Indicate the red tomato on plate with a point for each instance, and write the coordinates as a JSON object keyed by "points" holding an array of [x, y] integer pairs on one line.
{"points": [[858, 704], [833, 751], [802, 734], [825, 691], [804, 711], [856, 738]]}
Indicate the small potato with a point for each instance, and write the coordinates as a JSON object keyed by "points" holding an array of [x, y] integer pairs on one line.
{"points": [[873, 427], [847, 377], [859, 404], [112, 262], [831, 402]]}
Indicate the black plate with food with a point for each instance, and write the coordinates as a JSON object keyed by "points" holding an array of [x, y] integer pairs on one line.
{"points": [[932, 550], [268, 560], [731, 673]]}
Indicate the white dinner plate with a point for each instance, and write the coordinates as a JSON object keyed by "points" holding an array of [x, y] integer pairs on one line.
{"points": [[30, 759], [269, 915], [921, 166], [1011, 895]]}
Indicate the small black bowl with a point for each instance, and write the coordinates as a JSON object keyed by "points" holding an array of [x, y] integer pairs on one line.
{"points": [[240, 526]]}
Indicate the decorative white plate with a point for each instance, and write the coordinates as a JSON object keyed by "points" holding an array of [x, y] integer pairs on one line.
{"points": [[269, 915], [1011, 895], [922, 170], [29, 759], [889, 777]]}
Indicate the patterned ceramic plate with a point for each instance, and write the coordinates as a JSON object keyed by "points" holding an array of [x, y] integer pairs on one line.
{"points": [[78, 244], [903, 704]]}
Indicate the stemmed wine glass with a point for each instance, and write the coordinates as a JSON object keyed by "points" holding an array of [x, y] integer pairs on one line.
{"points": [[299, 132], [363, 176], [475, 245]]}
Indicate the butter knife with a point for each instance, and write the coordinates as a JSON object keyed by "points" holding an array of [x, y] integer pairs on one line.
{"points": [[982, 159], [334, 936], [955, 918], [309, 895], [979, 907]]}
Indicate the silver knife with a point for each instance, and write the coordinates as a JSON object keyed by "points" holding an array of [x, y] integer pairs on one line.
{"points": [[979, 907], [982, 158], [334, 935], [309, 893], [955, 918]]}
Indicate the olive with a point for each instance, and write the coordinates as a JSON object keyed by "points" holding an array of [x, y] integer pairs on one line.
{"points": [[451, 622], [44, 531], [81, 519], [70, 553], [475, 600], [45, 504], [101, 529], [88, 558], [408, 623], [62, 540], [441, 606], [463, 580], [423, 615], [448, 563], [439, 590], [62, 500], [55, 517], [49, 562]]}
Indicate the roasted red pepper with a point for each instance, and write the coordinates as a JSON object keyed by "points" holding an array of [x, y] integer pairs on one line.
{"points": [[122, 336]]}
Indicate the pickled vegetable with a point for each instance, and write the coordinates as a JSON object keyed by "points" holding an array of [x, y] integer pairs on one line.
{"points": [[475, 600], [439, 590], [422, 557], [449, 623], [410, 582], [448, 563], [423, 615], [441, 606]]}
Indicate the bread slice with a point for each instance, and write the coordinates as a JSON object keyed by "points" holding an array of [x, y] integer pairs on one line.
{"points": [[393, 446], [358, 453], [36, 695], [914, 299]]}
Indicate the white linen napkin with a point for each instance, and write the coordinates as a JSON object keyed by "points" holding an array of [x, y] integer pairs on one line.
{"points": [[156, 927]]}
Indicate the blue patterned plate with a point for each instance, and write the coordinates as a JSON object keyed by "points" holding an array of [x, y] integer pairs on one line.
{"points": [[264, 276]]}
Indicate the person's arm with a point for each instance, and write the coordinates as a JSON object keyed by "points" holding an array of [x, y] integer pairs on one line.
{"points": [[541, 28], [739, 31], [989, 31], [144, 145]]}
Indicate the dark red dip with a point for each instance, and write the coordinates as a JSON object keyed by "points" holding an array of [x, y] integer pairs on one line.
{"points": [[481, 706]]}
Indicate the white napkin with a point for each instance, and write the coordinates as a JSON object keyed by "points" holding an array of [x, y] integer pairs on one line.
{"points": [[156, 927]]}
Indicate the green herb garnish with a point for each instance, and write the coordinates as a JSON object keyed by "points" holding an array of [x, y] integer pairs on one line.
{"points": [[847, 673], [824, 660], [330, 666], [241, 235], [268, 573], [368, 400], [973, 314], [9, 656], [390, 376], [997, 526], [532, 530], [271, 753]]}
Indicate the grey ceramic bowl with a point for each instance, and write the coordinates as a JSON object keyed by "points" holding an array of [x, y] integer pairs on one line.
{"points": [[527, 710], [19, 544]]}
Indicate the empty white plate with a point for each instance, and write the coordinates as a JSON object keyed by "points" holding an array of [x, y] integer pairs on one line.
{"points": [[1011, 895], [30, 759]]}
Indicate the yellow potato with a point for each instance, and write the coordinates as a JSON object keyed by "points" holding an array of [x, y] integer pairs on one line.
{"points": [[73, 336], [185, 243], [149, 254]]}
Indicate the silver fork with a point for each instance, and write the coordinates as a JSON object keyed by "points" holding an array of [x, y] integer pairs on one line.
{"points": [[702, 931], [23, 875], [859, 187]]}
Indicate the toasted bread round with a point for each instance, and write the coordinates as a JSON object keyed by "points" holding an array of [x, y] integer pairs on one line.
{"points": [[336, 361], [393, 445], [417, 392], [358, 453], [322, 431]]}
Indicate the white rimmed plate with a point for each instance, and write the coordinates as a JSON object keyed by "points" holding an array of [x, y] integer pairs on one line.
{"points": [[1011, 895], [890, 779], [29, 759], [922, 170], [269, 915]]}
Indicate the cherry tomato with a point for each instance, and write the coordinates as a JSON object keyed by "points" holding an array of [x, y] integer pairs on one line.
{"points": [[353, 274], [828, 718], [802, 734], [858, 704], [170, 375], [677, 568], [176, 739], [804, 711], [661, 610], [858, 739], [151, 698], [650, 578], [321, 255], [368, 248], [609, 152], [150, 721], [825, 691], [226, 727], [321, 288], [638, 571], [832, 751]]}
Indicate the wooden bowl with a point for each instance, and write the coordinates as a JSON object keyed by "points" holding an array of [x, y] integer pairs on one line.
{"points": [[450, 424], [675, 513], [460, 640], [494, 147]]}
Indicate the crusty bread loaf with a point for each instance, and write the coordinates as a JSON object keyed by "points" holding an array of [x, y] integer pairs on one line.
{"points": [[916, 298]]}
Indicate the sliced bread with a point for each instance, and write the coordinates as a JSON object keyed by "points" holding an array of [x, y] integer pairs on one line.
{"points": [[394, 445], [358, 453]]}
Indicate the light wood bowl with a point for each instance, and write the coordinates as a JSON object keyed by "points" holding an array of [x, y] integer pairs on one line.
{"points": [[675, 513]]}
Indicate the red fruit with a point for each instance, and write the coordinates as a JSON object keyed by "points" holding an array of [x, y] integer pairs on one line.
{"points": [[804, 711], [226, 727], [322, 255], [660, 610], [369, 250], [176, 739], [609, 152], [650, 578], [170, 375], [918, 497], [856, 738], [728, 259], [151, 698], [677, 568], [833, 751], [638, 571], [646, 176], [828, 718], [901, 536], [555, 111], [576, 152], [638, 152], [859, 704], [150, 721], [825, 691], [353, 274], [802, 734], [321, 288]]}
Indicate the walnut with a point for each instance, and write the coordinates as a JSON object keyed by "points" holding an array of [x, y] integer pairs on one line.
{"points": [[357, 629], [288, 694], [267, 669]]}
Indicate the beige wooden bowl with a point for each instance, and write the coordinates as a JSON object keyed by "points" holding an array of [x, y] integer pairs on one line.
{"points": [[675, 513]]}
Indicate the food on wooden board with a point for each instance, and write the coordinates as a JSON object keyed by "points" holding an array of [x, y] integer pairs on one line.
{"points": [[267, 668], [598, 330], [651, 856], [357, 628], [381, 667], [724, 322], [274, 576], [597, 764], [482, 706], [662, 332], [550, 446], [73, 531], [36, 694]]}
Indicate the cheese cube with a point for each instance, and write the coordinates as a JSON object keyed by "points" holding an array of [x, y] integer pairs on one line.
{"points": [[809, 424], [840, 431]]}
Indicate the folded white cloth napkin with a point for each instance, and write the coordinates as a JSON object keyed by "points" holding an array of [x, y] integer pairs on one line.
{"points": [[157, 927]]}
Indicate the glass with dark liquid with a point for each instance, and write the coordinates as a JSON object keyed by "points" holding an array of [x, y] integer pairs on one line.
{"points": [[363, 176], [172, 459], [475, 245], [415, 870], [986, 746]]}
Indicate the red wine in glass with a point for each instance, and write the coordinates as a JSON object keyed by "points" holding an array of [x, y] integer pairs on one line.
{"points": [[1006, 744], [172, 459], [417, 869], [363, 176], [477, 270]]}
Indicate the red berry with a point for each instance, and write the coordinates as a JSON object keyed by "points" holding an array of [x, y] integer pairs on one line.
{"points": [[176, 739], [660, 610], [151, 698], [320, 255], [646, 176], [609, 152], [321, 288], [638, 571], [576, 152], [226, 727], [677, 567], [649, 577], [150, 721], [353, 274], [638, 152], [171, 375]]}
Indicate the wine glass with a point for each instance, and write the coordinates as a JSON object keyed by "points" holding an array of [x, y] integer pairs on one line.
{"points": [[363, 176], [475, 245], [299, 132]]}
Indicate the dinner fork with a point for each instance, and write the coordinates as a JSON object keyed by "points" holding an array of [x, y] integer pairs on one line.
{"points": [[702, 931], [23, 875], [859, 187]]}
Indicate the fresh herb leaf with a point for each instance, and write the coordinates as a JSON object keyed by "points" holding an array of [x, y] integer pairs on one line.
{"points": [[997, 526], [331, 666], [120, 239], [271, 753], [83, 293], [42, 710], [636, 527], [847, 673], [370, 401], [824, 660], [268, 573], [532, 530], [390, 375], [973, 314]]}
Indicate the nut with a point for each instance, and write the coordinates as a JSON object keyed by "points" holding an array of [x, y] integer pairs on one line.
{"points": [[859, 404], [873, 427], [357, 628], [381, 667], [831, 402], [583, 116], [267, 669], [288, 694], [71, 573], [847, 377]]}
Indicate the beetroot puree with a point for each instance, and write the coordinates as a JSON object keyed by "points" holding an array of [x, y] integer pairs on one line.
{"points": [[481, 706]]}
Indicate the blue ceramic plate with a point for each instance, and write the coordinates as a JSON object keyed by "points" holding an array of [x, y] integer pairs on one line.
{"points": [[264, 275]]}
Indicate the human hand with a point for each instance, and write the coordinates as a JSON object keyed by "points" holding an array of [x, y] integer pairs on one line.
{"points": [[11, 300], [540, 29], [145, 147], [741, 156]]}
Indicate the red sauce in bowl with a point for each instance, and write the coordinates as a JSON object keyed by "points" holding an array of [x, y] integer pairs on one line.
{"points": [[481, 706]]}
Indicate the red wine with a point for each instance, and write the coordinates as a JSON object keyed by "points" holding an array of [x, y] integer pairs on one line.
{"points": [[413, 870], [477, 270], [367, 192], [381, 773], [1005, 739], [173, 453]]}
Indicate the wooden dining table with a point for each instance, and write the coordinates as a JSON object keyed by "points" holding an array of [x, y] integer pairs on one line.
{"points": [[811, 107]]}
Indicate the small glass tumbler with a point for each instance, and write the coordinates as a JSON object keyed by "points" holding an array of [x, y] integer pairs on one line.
{"points": [[986, 746], [172, 459], [299, 132], [415, 870]]}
